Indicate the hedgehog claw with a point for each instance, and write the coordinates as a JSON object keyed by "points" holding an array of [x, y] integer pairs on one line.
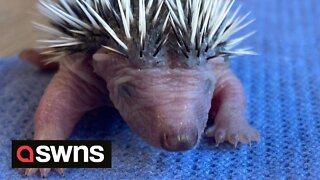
{"points": [[241, 133], [209, 132], [60, 171], [44, 172], [220, 137], [30, 171], [234, 139]]}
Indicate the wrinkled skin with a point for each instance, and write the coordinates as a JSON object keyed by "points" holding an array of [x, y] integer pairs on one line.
{"points": [[167, 107]]}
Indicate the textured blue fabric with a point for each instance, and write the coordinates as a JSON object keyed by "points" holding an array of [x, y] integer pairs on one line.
{"points": [[283, 90]]}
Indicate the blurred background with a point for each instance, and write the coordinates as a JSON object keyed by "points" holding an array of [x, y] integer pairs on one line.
{"points": [[16, 29]]}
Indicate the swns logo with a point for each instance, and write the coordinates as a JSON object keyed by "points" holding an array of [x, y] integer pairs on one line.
{"points": [[61, 154]]}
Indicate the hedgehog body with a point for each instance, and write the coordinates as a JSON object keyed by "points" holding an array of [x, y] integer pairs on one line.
{"points": [[162, 63]]}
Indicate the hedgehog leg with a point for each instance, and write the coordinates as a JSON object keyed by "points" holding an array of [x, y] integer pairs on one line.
{"points": [[228, 112], [73, 91]]}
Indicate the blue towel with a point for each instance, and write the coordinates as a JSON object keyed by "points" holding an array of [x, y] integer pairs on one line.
{"points": [[283, 90]]}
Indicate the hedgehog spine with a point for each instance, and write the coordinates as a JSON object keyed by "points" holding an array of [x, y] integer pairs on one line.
{"points": [[201, 28]]}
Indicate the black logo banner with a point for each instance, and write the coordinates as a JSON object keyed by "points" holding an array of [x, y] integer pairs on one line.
{"points": [[61, 154]]}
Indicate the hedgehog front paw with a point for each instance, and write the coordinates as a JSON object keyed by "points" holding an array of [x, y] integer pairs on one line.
{"points": [[233, 132], [43, 171]]}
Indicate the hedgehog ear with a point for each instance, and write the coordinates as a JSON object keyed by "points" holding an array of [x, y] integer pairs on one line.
{"points": [[219, 59], [104, 55], [106, 63], [100, 55]]}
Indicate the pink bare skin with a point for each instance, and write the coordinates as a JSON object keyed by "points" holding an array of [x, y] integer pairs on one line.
{"points": [[229, 108], [73, 91], [167, 107]]}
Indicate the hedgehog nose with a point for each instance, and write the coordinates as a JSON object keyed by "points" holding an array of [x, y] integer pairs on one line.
{"points": [[181, 141]]}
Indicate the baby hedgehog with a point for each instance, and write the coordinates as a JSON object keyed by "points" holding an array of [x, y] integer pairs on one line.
{"points": [[163, 64]]}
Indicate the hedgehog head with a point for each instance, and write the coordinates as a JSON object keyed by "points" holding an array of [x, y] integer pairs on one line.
{"points": [[157, 57], [167, 107]]}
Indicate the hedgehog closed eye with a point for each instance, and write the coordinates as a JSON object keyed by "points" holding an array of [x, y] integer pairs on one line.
{"points": [[126, 91]]}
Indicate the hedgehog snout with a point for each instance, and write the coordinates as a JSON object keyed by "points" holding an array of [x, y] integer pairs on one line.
{"points": [[180, 141]]}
